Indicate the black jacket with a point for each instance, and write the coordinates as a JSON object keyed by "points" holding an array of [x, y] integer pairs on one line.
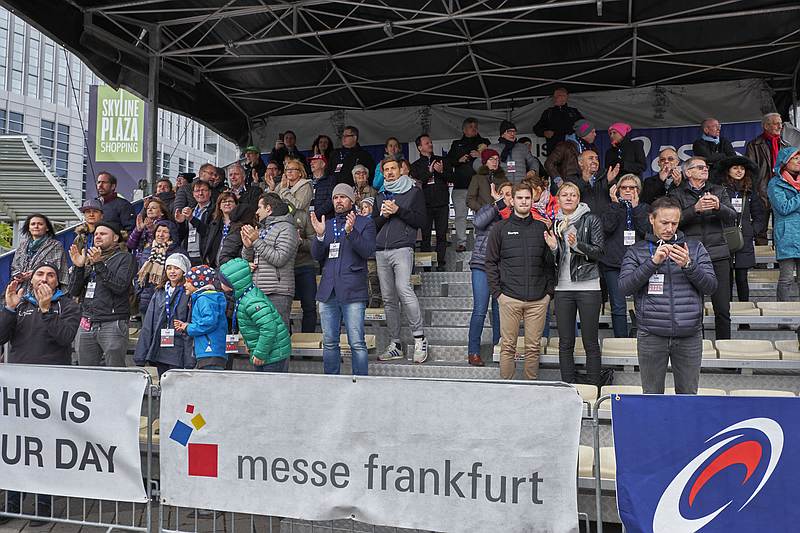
{"points": [[323, 196], [435, 185], [399, 230], [558, 119], [40, 339], [713, 153], [463, 172], [114, 279], [615, 223], [759, 151], [519, 263], [119, 210], [653, 188], [596, 197], [250, 196], [630, 156], [752, 224], [278, 155], [678, 312], [200, 224], [587, 251], [259, 167], [343, 160], [706, 227], [185, 198]]}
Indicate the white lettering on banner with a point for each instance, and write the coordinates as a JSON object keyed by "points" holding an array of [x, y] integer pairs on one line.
{"points": [[71, 432], [328, 447]]}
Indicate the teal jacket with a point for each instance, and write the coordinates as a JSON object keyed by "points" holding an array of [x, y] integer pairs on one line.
{"points": [[208, 325], [260, 324], [785, 201]]}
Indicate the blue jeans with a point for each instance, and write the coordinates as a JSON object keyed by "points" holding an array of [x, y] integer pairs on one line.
{"points": [[305, 290], [619, 309], [331, 314], [480, 306], [277, 366]]}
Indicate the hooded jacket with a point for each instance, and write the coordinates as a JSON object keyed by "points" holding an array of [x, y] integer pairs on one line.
{"points": [[258, 321], [519, 263], [479, 193], [209, 325], [114, 278], [40, 338], [785, 201], [484, 220], [630, 156], [274, 253], [588, 249], [678, 312], [463, 172], [149, 349], [706, 227]]}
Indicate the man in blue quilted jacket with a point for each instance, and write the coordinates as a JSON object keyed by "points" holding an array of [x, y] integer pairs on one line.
{"points": [[668, 277]]}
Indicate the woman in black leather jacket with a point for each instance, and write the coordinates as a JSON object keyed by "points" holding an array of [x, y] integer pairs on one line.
{"points": [[577, 242]]}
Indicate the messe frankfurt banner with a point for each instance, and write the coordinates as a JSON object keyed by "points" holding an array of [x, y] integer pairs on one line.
{"points": [[384, 451], [71, 432]]}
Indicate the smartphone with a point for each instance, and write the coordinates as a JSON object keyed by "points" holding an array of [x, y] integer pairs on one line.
{"points": [[280, 137]]}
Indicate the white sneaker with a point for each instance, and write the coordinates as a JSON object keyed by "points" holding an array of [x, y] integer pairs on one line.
{"points": [[391, 353], [420, 350]]}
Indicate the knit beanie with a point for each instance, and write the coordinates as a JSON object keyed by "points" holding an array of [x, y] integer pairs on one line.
{"points": [[506, 125], [621, 128], [180, 261], [200, 276], [582, 127], [487, 154], [344, 189]]}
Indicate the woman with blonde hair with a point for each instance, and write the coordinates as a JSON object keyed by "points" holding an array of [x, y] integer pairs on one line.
{"points": [[577, 242]]}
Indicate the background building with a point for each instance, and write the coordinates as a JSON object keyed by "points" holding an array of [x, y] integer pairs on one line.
{"points": [[44, 93]]}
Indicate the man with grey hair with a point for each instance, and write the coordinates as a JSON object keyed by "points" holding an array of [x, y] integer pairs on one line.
{"points": [[711, 146], [763, 151], [245, 195]]}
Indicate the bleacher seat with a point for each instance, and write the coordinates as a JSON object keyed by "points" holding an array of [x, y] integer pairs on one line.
{"points": [[765, 251], [763, 276], [307, 340], [737, 309], [374, 313], [608, 463], [620, 389], [424, 259], [701, 391], [552, 346], [143, 430], [789, 349], [746, 349], [709, 352], [763, 392], [779, 308], [521, 346], [585, 461], [619, 347], [588, 392]]}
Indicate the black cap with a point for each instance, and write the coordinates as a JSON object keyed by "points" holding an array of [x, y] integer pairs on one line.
{"points": [[113, 226], [506, 125]]}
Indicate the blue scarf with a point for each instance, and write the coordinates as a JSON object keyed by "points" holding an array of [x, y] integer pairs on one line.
{"points": [[711, 139], [32, 299], [399, 186]]}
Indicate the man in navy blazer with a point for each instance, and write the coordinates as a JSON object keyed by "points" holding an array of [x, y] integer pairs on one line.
{"points": [[343, 245]]}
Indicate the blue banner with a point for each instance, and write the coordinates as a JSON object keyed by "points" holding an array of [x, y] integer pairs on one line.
{"points": [[680, 138], [690, 463]]}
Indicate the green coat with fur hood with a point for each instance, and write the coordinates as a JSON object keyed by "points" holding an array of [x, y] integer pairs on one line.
{"points": [[259, 323]]}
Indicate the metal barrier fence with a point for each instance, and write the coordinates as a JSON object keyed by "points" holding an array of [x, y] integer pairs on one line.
{"points": [[107, 514], [139, 517]]}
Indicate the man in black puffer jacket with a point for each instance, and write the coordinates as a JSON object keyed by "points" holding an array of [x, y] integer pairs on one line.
{"points": [[668, 277], [706, 210], [520, 269]]}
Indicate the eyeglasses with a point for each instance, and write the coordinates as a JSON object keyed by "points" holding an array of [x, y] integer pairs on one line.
{"points": [[667, 159], [292, 170], [698, 167], [627, 187], [227, 202]]}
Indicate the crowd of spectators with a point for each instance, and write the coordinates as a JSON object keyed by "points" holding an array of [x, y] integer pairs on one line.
{"points": [[212, 264]]}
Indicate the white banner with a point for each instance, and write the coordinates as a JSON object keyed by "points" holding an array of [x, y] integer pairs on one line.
{"points": [[413, 453], [71, 431]]}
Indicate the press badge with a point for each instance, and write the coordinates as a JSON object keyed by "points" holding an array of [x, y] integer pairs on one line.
{"points": [[339, 167], [656, 284], [737, 204], [333, 252], [629, 237], [193, 235], [232, 343], [511, 165], [167, 337], [90, 289]]}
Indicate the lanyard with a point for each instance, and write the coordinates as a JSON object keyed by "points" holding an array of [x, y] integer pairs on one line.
{"points": [[171, 310], [337, 233], [225, 229], [263, 232], [628, 215], [198, 211], [236, 308]]}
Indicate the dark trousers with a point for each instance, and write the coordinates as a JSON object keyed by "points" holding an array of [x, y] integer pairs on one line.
{"points": [[305, 290], [721, 299], [588, 304], [437, 217], [742, 286], [683, 353]]}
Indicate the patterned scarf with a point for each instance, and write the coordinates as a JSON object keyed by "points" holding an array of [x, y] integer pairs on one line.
{"points": [[154, 266]]}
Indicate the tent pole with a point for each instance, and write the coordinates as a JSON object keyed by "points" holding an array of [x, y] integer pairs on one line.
{"points": [[152, 100]]}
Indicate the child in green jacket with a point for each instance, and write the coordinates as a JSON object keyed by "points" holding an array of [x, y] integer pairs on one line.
{"points": [[257, 319]]}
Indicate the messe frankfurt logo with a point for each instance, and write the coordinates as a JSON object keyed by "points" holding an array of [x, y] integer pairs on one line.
{"points": [[736, 450], [203, 458]]}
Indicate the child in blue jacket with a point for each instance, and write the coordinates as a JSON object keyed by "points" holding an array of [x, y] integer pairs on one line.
{"points": [[208, 325]]}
